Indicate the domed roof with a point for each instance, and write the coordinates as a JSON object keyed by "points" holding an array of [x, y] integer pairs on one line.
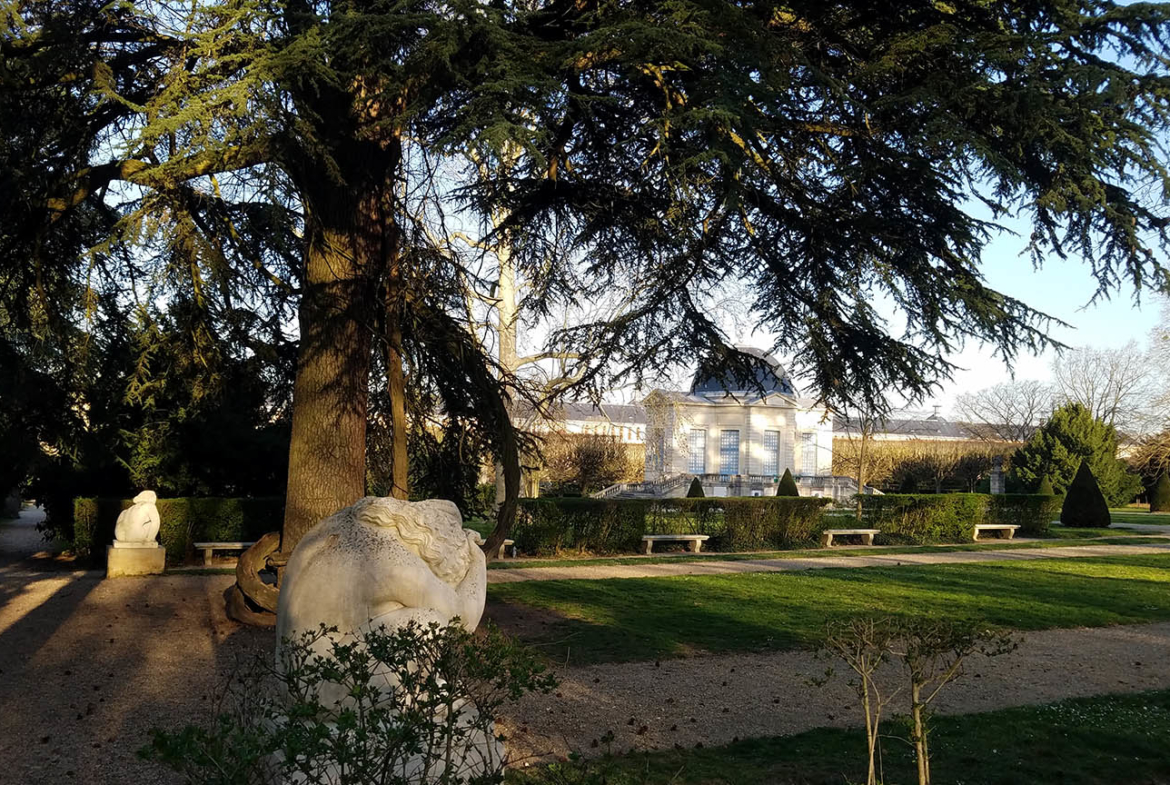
{"points": [[770, 377]]}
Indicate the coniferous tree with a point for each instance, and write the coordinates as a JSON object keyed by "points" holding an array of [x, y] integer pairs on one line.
{"points": [[1045, 487], [696, 489], [1084, 504], [1160, 495], [1058, 448], [787, 486]]}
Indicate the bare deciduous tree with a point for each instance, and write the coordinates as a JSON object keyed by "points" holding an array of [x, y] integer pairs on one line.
{"points": [[1117, 386], [1006, 412]]}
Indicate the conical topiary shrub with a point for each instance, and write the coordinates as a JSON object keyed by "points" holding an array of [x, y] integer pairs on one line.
{"points": [[1160, 495], [1045, 488], [696, 489], [787, 486], [1084, 504]]}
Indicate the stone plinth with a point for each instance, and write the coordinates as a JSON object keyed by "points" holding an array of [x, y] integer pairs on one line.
{"points": [[135, 559]]}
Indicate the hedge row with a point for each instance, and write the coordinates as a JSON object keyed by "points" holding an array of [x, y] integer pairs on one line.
{"points": [[952, 517], [184, 521], [602, 526]]}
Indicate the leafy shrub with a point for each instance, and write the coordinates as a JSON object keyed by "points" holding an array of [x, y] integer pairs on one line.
{"points": [[787, 486], [696, 489], [764, 523], [601, 526], [1160, 495], [952, 517], [923, 518], [1032, 512], [184, 522], [553, 525], [418, 705], [1084, 504]]}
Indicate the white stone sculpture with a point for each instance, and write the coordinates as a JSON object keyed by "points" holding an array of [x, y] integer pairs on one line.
{"points": [[137, 526], [135, 550], [385, 562]]}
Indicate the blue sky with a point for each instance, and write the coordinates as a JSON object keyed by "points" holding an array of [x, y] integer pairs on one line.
{"points": [[1062, 289]]}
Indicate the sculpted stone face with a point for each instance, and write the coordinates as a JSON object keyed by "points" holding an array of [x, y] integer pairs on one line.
{"points": [[138, 524], [385, 562]]}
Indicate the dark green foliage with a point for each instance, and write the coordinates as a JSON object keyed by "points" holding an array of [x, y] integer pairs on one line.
{"points": [[951, 517], [787, 486], [446, 465], [1084, 504], [549, 526], [696, 489], [1059, 447], [1160, 495], [184, 521], [1033, 513], [414, 696], [1045, 487], [923, 518]]}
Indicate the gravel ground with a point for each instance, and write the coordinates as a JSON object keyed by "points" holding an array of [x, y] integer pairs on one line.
{"points": [[88, 666], [714, 567], [715, 700]]}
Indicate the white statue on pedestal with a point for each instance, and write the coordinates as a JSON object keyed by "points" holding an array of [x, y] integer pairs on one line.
{"points": [[385, 563], [137, 526]]}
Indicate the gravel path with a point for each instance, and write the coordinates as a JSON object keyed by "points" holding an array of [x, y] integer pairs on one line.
{"points": [[717, 699], [715, 567]]}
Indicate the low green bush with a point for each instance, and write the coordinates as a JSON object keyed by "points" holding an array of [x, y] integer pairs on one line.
{"points": [[1032, 512], [183, 522], [554, 525], [924, 517], [951, 517], [603, 526]]}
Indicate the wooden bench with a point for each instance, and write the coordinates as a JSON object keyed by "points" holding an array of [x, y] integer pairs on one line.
{"points": [[209, 548], [992, 527], [694, 541], [866, 535], [504, 547]]}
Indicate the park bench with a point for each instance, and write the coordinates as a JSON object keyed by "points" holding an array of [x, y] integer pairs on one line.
{"points": [[1008, 529], [504, 547], [209, 548], [694, 541], [866, 535]]}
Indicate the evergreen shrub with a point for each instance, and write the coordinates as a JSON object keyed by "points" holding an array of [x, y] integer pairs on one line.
{"points": [[1160, 495], [1084, 504], [183, 522], [787, 486], [696, 489]]}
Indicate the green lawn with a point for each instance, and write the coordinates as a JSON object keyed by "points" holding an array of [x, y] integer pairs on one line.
{"points": [[1059, 538], [1089, 741], [648, 618], [1139, 516]]}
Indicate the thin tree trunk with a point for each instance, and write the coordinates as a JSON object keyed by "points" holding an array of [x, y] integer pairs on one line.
{"points": [[506, 330]]}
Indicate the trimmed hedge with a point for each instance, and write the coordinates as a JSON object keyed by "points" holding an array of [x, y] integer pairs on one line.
{"points": [[1032, 512], [605, 526], [952, 517], [184, 521]]}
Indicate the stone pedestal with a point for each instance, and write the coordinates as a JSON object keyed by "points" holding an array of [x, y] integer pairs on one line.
{"points": [[133, 558]]}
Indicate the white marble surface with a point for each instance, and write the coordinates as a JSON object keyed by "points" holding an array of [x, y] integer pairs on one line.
{"points": [[138, 525], [385, 562]]}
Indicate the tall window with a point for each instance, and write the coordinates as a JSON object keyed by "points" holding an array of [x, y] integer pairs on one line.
{"points": [[772, 452], [655, 448], [808, 459], [729, 452], [697, 464]]}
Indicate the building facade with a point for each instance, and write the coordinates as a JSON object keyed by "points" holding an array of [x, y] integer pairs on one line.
{"points": [[739, 436]]}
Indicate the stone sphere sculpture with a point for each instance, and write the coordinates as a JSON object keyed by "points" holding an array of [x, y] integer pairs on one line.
{"points": [[137, 526], [384, 562]]}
